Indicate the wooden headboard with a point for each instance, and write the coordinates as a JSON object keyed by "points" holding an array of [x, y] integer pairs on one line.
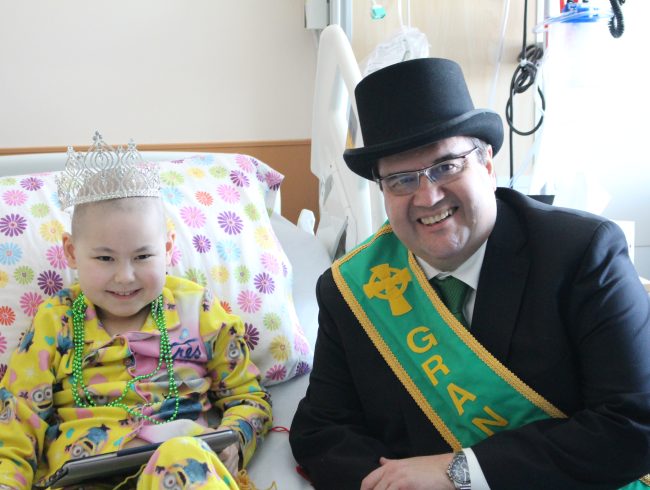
{"points": [[290, 157]]}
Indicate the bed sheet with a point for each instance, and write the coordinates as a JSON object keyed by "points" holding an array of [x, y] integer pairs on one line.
{"points": [[274, 462]]}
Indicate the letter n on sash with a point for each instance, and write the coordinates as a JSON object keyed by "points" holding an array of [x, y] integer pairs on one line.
{"points": [[496, 420]]}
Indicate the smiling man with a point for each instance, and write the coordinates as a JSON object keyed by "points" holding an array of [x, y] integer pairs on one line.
{"points": [[479, 339]]}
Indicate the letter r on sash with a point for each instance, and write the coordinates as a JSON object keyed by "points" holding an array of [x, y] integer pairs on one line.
{"points": [[431, 370]]}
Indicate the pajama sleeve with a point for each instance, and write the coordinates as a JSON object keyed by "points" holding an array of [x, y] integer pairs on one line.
{"points": [[26, 399], [236, 393]]}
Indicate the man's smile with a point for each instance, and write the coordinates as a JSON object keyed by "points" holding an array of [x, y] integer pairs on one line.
{"points": [[437, 218]]}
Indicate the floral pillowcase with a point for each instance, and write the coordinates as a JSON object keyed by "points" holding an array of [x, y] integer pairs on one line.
{"points": [[218, 205]]}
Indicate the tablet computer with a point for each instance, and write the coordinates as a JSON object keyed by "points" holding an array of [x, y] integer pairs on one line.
{"points": [[124, 461]]}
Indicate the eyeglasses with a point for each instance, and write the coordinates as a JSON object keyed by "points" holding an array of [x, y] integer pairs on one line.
{"points": [[404, 183]]}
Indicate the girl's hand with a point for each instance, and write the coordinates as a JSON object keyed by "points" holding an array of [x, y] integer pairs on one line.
{"points": [[230, 458]]}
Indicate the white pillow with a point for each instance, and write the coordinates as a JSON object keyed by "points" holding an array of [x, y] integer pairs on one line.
{"points": [[218, 205]]}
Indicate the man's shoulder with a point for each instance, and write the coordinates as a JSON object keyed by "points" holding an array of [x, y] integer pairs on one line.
{"points": [[326, 288], [532, 212], [523, 223], [326, 279]]}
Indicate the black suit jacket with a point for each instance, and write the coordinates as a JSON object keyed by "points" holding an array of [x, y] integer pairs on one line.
{"points": [[560, 304]]}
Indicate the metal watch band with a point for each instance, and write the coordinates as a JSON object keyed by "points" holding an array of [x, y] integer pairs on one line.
{"points": [[458, 472]]}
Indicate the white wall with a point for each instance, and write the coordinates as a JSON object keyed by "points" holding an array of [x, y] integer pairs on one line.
{"points": [[160, 71], [594, 152]]}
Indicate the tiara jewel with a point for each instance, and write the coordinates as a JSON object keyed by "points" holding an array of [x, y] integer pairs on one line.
{"points": [[104, 173]]}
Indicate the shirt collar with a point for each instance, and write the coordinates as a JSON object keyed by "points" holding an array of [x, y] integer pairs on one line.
{"points": [[468, 272]]}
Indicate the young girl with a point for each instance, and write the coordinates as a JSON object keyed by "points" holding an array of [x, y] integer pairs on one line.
{"points": [[129, 355]]}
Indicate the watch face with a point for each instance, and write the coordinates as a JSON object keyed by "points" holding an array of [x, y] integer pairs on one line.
{"points": [[458, 470]]}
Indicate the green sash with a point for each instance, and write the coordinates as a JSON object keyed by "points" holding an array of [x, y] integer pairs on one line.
{"points": [[464, 391]]}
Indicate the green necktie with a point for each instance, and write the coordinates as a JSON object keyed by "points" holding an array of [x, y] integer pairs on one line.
{"points": [[453, 293]]}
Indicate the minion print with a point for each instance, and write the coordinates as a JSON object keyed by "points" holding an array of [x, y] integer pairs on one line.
{"points": [[99, 398], [26, 341], [186, 474], [246, 430], [63, 344], [200, 467], [257, 423], [42, 399], [90, 444], [7, 407], [91, 359], [234, 352], [223, 390]]}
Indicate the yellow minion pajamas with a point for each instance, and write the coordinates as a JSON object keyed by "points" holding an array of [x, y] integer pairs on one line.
{"points": [[185, 463], [178, 463], [41, 426]]}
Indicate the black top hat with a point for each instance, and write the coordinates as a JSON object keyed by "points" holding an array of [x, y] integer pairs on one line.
{"points": [[415, 103]]}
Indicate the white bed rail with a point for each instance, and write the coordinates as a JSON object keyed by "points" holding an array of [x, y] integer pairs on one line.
{"points": [[347, 202]]}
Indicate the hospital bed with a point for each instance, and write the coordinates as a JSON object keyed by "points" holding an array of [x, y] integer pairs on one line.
{"points": [[26, 194]]}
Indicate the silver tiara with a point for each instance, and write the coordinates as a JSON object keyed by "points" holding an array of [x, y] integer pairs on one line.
{"points": [[104, 173]]}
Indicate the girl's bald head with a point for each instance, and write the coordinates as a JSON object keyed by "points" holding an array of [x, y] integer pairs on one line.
{"points": [[152, 206]]}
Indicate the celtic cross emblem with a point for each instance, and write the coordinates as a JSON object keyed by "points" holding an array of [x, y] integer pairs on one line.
{"points": [[389, 283]]}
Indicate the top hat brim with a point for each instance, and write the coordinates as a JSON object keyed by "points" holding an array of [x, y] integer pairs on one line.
{"points": [[479, 123]]}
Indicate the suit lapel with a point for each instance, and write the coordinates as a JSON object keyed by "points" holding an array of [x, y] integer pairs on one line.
{"points": [[501, 284]]}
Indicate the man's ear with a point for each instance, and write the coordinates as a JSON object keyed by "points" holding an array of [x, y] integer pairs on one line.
{"points": [[69, 250], [489, 165]]}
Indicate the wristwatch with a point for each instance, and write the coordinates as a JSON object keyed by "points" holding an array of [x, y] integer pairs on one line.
{"points": [[458, 471]]}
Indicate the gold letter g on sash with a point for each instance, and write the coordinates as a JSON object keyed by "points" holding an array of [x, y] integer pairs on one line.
{"points": [[389, 283]]}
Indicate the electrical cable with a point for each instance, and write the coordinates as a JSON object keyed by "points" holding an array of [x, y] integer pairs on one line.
{"points": [[616, 26], [522, 79]]}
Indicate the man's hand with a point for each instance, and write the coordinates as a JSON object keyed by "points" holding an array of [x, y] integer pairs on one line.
{"points": [[420, 473]]}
